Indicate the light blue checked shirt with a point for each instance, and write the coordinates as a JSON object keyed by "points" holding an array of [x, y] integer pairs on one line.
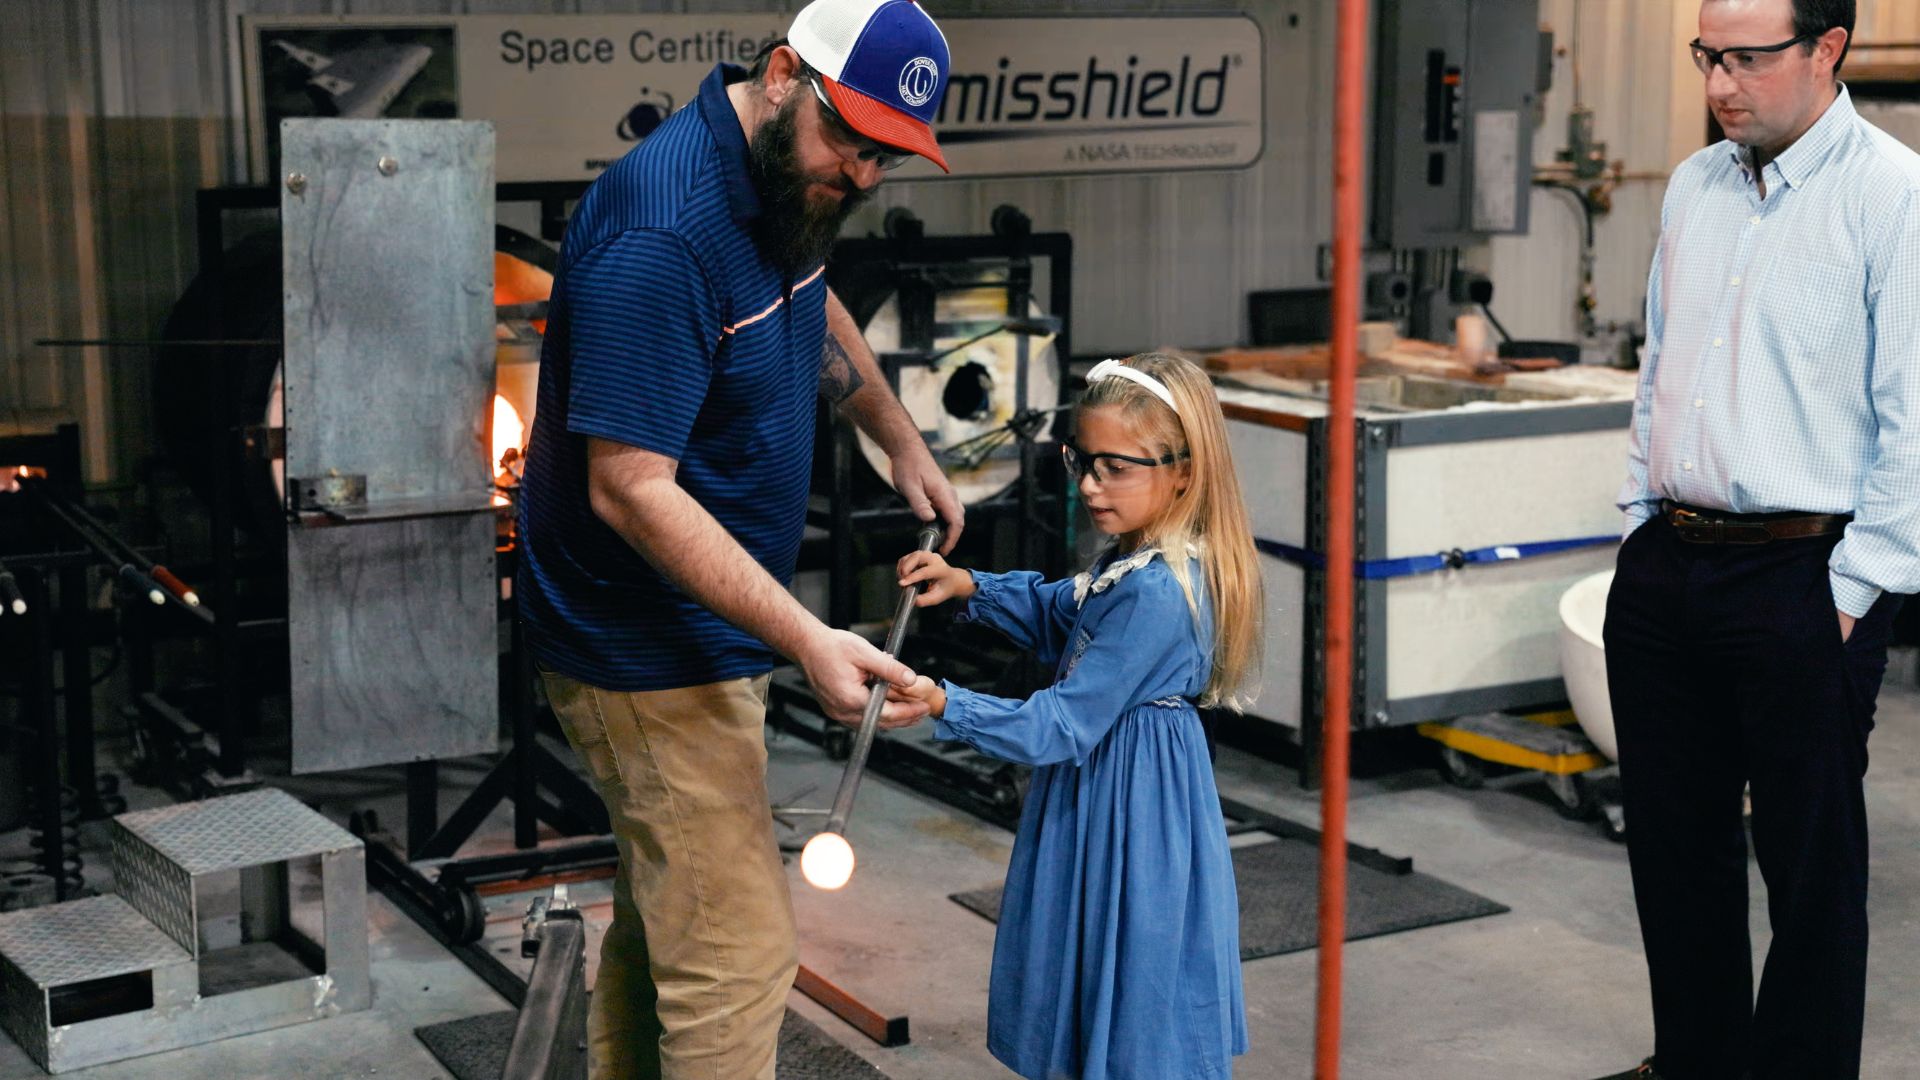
{"points": [[1782, 367]]}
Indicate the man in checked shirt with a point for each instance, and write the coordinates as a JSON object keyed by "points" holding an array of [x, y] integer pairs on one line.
{"points": [[1773, 519]]}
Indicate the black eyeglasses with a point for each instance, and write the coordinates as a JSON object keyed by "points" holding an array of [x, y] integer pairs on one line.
{"points": [[1739, 60], [887, 157], [1111, 470]]}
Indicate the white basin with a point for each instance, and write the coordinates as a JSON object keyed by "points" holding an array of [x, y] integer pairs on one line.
{"points": [[1583, 658]]}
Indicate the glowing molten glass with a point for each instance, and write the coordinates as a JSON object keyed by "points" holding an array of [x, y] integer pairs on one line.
{"points": [[508, 431], [827, 861]]}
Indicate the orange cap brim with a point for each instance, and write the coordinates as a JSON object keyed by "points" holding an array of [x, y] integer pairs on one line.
{"points": [[882, 124]]}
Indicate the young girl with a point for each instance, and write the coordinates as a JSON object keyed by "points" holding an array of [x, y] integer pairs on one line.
{"points": [[1118, 951]]}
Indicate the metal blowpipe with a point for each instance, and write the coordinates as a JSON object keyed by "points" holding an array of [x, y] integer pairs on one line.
{"points": [[870, 720]]}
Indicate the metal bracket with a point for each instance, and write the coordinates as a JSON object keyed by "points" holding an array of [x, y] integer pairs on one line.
{"points": [[323, 494]]}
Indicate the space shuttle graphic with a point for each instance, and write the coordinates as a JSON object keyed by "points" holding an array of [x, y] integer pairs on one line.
{"points": [[359, 83]]}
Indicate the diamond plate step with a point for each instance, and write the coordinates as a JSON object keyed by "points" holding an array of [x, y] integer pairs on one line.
{"points": [[157, 854], [43, 950], [162, 860]]}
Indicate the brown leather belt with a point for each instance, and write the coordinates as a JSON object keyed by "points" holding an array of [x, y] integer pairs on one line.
{"points": [[1697, 525]]}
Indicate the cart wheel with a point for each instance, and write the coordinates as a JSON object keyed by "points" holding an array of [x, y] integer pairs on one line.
{"points": [[1461, 770], [462, 915], [837, 741], [1573, 795]]}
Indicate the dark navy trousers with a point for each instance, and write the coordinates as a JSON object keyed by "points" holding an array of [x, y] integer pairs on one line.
{"points": [[1726, 669]]}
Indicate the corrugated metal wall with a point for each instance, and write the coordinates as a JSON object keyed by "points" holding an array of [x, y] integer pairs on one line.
{"points": [[113, 112]]}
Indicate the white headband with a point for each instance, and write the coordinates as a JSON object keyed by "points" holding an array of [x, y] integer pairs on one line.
{"points": [[1107, 369]]}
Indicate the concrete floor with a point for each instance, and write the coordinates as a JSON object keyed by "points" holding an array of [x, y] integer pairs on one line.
{"points": [[1555, 989]]}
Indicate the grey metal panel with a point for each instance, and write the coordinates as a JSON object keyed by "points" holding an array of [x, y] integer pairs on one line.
{"points": [[1504, 65], [389, 362], [343, 884], [389, 311], [1415, 710], [1473, 424], [1491, 492], [161, 889], [1371, 644], [23, 1011], [393, 642], [207, 1019], [1491, 46]]}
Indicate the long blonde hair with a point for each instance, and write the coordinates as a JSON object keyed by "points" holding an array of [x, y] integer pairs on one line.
{"points": [[1207, 521]]}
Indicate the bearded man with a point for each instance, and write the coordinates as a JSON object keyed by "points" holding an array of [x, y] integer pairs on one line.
{"points": [[689, 331]]}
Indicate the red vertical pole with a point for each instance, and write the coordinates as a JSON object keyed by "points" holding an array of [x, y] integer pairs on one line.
{"points": [[1349, 119]]}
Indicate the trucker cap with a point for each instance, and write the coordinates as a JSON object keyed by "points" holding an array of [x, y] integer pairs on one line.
{"points": [[884, 63]]}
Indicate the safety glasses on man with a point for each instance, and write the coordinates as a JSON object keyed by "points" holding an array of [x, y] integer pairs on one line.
{"points": [[1742, 60], [842, 133]]}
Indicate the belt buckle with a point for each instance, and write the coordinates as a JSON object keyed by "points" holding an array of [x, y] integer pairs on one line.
{"points": [[1684, 519]]}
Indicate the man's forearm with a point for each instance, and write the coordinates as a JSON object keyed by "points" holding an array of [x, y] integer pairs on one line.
{"points": [[850, 376], [677, 535]]}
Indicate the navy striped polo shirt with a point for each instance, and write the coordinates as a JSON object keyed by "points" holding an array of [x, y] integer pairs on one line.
{"points": [[667, 331]]}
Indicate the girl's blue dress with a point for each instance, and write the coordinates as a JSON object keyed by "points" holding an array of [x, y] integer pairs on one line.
{"points": [[1118, 951]]}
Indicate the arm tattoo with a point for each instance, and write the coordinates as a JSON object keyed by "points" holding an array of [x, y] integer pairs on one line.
{"points": [[839, 379]]}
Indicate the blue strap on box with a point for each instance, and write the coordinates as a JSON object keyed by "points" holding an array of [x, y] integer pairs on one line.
{"points": [[1382, 569]]}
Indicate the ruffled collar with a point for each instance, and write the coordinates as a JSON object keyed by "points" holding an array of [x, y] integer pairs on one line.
{"points": [[1086, 583]]}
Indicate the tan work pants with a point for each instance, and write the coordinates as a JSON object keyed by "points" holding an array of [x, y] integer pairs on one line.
{"points": [[694, 971]]}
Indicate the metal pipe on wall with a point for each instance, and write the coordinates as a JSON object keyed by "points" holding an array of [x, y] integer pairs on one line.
{"points": [[1350, 72]]}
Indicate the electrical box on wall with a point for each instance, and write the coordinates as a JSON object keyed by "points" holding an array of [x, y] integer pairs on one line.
{"points": [[1455, 86]]}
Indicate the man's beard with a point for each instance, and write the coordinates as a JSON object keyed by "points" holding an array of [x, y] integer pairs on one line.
{"points": [[795, 230]]}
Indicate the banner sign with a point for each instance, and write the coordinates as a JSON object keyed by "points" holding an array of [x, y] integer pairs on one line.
{"points": [[569, 94]]}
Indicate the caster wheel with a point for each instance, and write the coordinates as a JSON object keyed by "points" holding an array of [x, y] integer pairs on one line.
{"points": [[1461, 770], [1573, 796], [462, 915]]}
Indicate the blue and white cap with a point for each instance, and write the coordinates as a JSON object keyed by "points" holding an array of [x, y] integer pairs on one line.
{"points": [[885, 66]]}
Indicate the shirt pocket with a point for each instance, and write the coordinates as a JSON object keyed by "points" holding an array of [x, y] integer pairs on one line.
{"points": [[1824, 316]]}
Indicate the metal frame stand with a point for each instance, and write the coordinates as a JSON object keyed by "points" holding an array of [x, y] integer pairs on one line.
{"points": [[991, 791], [54, 583], [1042, 538], [448, 897], [445, 901]]}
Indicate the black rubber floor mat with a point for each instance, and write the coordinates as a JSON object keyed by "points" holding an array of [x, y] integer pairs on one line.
{"points": [[1279, 884], [476, 1049]]}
